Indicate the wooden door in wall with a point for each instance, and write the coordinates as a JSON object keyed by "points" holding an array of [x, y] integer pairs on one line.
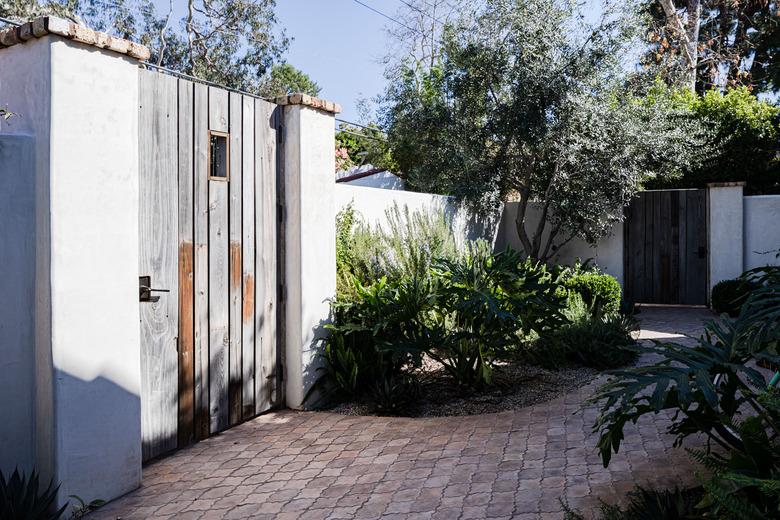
{"points": [[208, 268], [665, 258]]}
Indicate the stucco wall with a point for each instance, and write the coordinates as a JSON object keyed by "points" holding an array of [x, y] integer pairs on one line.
{"points": [[94, 270], [762, 230], [27, 93], [725, 232], [310, 237], [17, 227], [81, 105], [373, 203], [384, 180], [607, 254]]}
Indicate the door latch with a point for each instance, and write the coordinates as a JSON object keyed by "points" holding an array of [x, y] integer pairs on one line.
{"points": [[145, 290]]}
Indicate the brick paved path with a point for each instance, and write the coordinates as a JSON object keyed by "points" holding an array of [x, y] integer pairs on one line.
{"points": [[320, 465]]}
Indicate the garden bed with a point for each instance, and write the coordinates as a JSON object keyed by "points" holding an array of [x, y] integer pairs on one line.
{"points": [[516, 386]]}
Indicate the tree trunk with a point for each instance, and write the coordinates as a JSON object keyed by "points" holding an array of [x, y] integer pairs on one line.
{"points": [[688, 33]]}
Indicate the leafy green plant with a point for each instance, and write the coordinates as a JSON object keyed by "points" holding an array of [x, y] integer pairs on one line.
{"points": [[394, 394], [81, 508], [404, 247], [485, 302], [729, 295], [21, 498], [589, 338], [744, 131], [374, 335], [648, 504], [714, 390], [598, 290]]}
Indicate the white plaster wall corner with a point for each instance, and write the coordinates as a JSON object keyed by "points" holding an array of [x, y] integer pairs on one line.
{"points": [[310, 238], [762, 232], [725, 232], [81, 106]]}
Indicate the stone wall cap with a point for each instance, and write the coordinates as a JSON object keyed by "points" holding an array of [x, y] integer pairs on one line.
{"points": [[309, 101], [46, 25], [733, 184]]}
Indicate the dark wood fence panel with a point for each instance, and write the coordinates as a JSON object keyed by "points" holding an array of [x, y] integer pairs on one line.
{"points": [[665, 248], [210, 347]]}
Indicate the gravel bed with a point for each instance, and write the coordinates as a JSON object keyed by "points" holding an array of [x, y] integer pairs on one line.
{"points": [[516, 386]]}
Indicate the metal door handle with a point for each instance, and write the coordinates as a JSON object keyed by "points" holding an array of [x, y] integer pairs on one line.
{"points": [[145, 290]]}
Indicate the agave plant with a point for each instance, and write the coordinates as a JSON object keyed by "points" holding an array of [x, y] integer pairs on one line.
{"points": [[22, 499]]}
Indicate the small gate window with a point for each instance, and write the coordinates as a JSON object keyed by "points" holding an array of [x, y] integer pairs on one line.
{"points": [[218, 156]]}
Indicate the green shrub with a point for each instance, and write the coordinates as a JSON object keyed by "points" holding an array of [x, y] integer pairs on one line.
{"points": [[728, 296], [648, 504], [404, 247], [590, 338], [744, 132], [374, 335], [22, 499], [464, 313], [707, 389], [598, 290], [485, 302]]}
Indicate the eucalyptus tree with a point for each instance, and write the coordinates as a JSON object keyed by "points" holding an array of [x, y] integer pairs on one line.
{"points": [[704, 44], [525, 104]]}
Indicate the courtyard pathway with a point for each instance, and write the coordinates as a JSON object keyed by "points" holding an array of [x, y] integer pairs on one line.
{"points": [[313, 465]]}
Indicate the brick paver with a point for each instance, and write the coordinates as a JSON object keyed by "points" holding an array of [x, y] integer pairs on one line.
{"points": [[313, 465]]}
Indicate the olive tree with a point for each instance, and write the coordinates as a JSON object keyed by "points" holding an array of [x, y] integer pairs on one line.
{"points": [[527, 105]]}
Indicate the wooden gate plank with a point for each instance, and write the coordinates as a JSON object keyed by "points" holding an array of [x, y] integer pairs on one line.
{"points": [[236, 271], [635, 251], [265, 229], [158, 232], [682, 247], [664, 242], [186, 267], [201, 227], [218, 276], [696, 285], [674, 245], [248, 256], [649, 240]]}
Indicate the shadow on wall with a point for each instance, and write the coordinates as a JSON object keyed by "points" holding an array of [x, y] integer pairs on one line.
{"points": [[99, 456], [99, 438], [313, 363]]}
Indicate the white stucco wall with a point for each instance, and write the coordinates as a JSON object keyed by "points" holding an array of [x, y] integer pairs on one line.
{"points": [[373, 203], [384, 180], [762, 230], [27, 93], [725, 232], [17, 362], [81, 104], [310, 243], [607, 254]]}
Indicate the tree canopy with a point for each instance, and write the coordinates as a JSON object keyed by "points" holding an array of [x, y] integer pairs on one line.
{"points": [[235, 43], [526, 106]]}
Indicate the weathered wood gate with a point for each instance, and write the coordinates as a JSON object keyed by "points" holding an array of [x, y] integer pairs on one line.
{"points": [[208, 235], [665, 253]]}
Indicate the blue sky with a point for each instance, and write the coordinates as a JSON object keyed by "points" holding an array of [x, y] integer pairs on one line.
{"points": [[339, 44]]}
